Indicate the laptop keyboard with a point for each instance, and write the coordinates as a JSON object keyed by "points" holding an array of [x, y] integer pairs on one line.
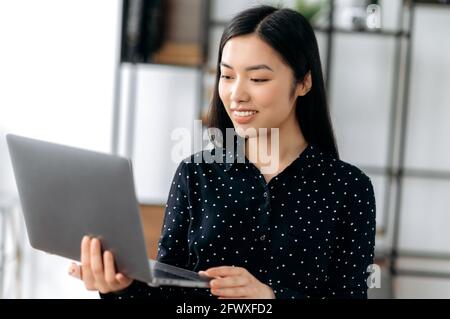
{"points": [[171, 272]]}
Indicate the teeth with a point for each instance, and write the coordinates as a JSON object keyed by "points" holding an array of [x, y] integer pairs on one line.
{"points": [[245, 113]]}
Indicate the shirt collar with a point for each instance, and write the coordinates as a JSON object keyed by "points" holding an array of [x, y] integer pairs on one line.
{"points": [[231, 157]]}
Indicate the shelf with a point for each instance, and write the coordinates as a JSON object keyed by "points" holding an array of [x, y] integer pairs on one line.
{"points": [[171, 65], [407, 172], [363, 31], [340, 30]]}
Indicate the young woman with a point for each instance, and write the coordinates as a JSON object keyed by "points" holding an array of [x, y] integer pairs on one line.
{"points": [[305, 229]]}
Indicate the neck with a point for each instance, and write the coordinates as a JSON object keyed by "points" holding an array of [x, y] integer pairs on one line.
{"points": [[291, 143]]}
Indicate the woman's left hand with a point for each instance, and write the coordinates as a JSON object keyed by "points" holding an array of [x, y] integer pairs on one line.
{"points": [[237, 283]]}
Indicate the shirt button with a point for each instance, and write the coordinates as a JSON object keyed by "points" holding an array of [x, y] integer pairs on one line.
{"points": [[265, 194], [263, 237]]}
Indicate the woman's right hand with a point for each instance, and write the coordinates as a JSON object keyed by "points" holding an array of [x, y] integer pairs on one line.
{"points": [[96, 271]]}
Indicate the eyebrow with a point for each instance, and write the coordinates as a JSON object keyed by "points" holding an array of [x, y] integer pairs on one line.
{"points": [[250, 68]]}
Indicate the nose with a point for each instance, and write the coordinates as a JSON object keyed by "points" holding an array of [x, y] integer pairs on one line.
{"points": [[239, 93]]}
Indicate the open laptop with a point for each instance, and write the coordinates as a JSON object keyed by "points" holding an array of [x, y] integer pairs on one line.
{"points": [[68, 192]]}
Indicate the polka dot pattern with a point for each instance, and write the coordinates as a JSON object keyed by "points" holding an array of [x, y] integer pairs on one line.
{"points": [[308, 233]]}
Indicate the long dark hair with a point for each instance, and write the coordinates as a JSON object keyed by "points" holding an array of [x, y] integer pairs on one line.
{"points": [[291, 35]]}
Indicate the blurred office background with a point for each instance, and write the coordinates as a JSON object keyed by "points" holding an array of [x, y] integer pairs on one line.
{"points": [[121, 76]]}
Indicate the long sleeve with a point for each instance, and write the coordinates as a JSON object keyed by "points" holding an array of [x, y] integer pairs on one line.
{"points": [[173, 245], [281, 292], [354, 242]]}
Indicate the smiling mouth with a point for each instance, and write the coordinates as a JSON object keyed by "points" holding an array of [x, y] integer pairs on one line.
{"points": [[243, 116], [244, 113]]}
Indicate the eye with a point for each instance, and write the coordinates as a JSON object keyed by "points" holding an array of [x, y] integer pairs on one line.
{"points": [[226, 77], [259, 80]]}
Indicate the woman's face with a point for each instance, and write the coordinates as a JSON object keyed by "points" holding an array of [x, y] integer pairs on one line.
{"points": [[256, 85]]}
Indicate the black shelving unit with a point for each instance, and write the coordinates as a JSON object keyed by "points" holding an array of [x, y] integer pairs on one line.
{"points": [[401, 172], [133, 81], [395, 171]]}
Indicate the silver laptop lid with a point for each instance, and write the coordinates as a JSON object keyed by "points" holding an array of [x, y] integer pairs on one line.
{"points": [[67, 192]]}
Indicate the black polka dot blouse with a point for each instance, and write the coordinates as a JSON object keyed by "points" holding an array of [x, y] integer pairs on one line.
{"points": [[308, 233]]}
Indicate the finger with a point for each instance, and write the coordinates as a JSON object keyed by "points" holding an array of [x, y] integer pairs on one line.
{"points": [[224, 271], [97, 265], [86, 273], [123, 280], [236, 292], [110, 269], [75, 270], [230, 281]]}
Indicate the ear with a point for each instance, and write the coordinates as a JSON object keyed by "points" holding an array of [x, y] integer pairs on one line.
{"points": [[305, 86]]}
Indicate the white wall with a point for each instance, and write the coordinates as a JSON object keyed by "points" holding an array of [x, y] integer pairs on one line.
{"points": [[166, 101], [56, 82]]}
